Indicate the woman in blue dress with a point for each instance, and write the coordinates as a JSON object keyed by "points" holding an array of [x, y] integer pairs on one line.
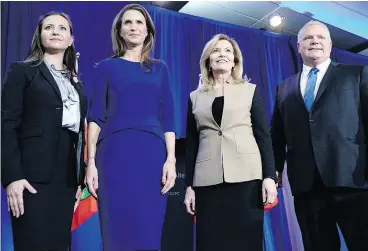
{"points": [[131, 139]]}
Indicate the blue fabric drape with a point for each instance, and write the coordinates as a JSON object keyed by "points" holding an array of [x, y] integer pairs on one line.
{"points": [[268, 59]]}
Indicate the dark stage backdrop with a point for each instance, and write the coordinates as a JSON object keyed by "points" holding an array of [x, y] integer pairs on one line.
{"points": [[268, 59]]}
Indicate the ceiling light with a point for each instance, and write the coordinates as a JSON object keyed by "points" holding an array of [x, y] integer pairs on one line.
{"points": [[276, 20]]}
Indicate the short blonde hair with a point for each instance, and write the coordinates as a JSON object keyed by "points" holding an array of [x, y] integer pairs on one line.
{"points": [[313, 22], [206, 75]]}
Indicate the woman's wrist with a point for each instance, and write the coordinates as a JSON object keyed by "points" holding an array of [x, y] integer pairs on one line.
{"points": [[90, 161], [171, 159], [272, 178], [171, 163]]}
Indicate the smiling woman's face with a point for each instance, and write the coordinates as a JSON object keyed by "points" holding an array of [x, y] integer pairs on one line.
{"points": [[222, 57]]}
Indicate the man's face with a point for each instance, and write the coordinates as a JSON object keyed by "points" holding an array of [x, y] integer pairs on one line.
{"points": [[314, 45]]}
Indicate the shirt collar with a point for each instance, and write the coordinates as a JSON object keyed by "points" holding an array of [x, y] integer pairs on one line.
{"points": [[51, 67], [321, 67], [48, 63]]}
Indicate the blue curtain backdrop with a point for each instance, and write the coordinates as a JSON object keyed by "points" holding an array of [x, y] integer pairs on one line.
{"points": [[268, 59]]}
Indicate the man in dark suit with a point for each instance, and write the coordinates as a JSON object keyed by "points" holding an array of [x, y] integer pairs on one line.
{"points": [[320, 127]]}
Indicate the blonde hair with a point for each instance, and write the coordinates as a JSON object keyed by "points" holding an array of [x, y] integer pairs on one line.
{"points": [[206, 78], [119, 46], [310, 23]]}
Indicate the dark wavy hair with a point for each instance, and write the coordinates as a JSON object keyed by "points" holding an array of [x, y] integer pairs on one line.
{"points": [[119, 46], [37, 50]]}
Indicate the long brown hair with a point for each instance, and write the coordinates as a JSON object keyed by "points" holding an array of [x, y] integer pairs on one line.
{"points": [[37, 50], [119, 46]]}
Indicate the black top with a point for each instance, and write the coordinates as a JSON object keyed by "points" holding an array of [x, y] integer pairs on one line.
{"points": [[260, 130], [217, 109]]}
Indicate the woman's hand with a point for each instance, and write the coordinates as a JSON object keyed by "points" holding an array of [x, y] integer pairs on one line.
{"points": [[14, 193], [78, 196], [91, 179], [189, 200], [168, 176], [269, 191]]}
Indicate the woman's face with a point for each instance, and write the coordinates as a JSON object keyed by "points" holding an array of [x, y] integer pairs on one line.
{"points": [[55, 34], [222, 57], [133, 28]]}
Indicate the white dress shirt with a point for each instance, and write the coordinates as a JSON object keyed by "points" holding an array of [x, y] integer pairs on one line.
{"points": [[320, 74]]}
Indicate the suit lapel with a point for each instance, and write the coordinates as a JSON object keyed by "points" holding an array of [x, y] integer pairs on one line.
{"points": [[327, 79], [295, 81], [47, 74], [77, 85], [331, 72]]}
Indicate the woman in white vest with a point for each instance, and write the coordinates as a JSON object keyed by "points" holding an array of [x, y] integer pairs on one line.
{"points": [[230, 172]]}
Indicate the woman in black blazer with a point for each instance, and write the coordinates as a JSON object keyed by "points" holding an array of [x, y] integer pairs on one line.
{"points": [[43, 112]]}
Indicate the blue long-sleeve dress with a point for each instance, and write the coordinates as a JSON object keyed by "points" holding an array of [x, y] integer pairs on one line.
{"points": [[134, 108]]}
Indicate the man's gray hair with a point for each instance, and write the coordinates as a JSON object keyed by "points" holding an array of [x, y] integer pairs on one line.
{"points": [[313, 22]]}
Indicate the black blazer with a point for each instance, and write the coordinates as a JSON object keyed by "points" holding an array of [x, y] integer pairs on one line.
{"points": [[333, 137], [31, 124]]}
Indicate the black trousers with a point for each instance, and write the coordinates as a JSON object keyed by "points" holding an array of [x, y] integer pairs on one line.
{"points": [[320, 209]]}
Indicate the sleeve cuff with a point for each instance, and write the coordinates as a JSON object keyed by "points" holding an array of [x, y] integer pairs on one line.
{"points": [[271, 177]]}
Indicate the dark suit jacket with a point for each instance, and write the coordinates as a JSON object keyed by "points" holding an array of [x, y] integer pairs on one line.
{"points": [[31, 124], [333, 137]]}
